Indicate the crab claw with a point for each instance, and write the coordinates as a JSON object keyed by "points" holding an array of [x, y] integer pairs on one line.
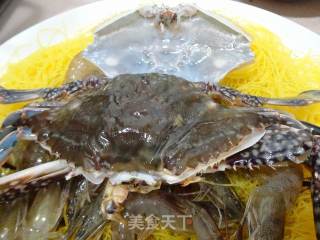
{"points": [[33, 178]]}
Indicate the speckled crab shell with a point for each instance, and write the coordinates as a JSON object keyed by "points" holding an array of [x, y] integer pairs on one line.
{"points": [[150, 127]]}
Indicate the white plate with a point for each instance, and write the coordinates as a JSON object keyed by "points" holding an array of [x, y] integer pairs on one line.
{"points": [[69, 23]]}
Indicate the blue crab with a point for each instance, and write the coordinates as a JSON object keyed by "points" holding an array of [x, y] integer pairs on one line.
{"points": [[139, 131]]}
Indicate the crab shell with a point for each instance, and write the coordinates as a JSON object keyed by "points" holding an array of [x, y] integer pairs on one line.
{"points": [[149, 127], [183, 41]]}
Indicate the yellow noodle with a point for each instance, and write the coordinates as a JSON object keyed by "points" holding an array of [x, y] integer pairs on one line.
{"points": [[44, 68], [169, 235], [275, 72]]}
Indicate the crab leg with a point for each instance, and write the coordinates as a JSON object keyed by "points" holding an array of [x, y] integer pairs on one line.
{"points": [[271, 116], [5, 131], [9, 141], [304, 98], [12, 96], [315, 129], [18, 117], [6, 146], [277, 117], [31, 179], [234, 97], [48, 104], [277, 145]]}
